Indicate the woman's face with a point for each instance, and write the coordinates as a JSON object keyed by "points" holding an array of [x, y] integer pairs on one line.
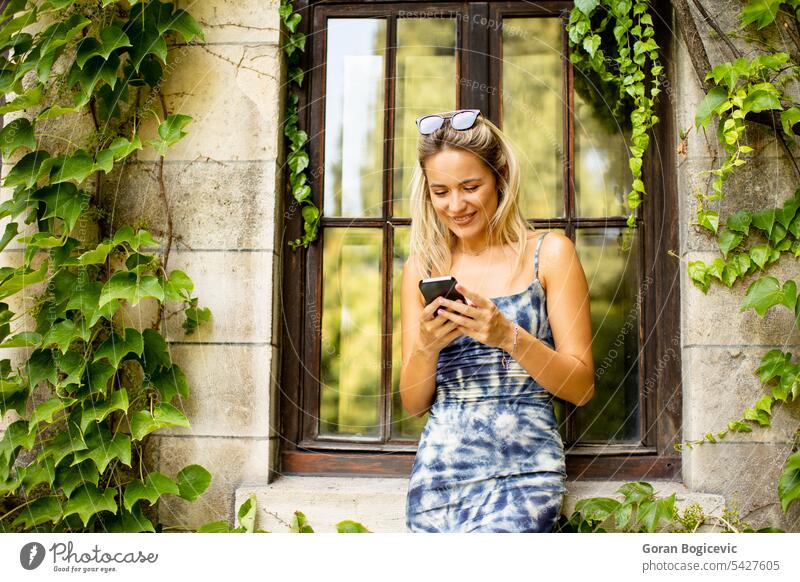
{"points": [[463, 191]]}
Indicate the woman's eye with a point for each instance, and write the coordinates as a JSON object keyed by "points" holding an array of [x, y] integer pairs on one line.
{"points": [[439, 193], [471, 188]]}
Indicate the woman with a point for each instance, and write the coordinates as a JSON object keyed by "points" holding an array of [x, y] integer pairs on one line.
{"points": [[490, 458]]}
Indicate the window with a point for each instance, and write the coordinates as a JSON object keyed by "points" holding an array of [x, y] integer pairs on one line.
{"points": [[373, 68]]}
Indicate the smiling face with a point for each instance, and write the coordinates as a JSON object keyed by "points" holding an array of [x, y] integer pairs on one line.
{"points": [[463, 192]]}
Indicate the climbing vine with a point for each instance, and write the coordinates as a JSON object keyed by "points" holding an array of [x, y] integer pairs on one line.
{"points": [[297, 158], [91, 387], [614, 48]]}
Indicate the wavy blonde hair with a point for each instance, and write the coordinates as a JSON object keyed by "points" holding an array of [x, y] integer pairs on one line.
{"points": [[431, 240]]}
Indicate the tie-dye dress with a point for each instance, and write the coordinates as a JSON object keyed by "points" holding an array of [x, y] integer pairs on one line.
{"points": [[490, 457]]}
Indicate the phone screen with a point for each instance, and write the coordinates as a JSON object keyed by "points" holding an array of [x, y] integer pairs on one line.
{"points": [[440, 286]]}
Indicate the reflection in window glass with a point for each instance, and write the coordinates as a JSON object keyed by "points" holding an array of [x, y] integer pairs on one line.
{"points": [[613, 414], [403, 425], [425, 83], [354, 114], [350, 372], [602, 176], [532, 111]]}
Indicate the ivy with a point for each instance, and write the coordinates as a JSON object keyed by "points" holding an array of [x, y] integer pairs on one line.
{"points": [[613, 44], [296, 139], [750, 241], [72, 460]]}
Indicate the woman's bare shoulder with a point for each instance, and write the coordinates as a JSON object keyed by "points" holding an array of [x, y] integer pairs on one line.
{"points": [[557, 249]]}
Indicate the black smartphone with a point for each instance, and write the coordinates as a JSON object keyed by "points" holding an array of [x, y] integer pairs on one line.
{"points": [[440, 286]]}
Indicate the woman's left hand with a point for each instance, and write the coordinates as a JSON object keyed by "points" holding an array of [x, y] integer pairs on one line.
{"points": [[481, 319]]}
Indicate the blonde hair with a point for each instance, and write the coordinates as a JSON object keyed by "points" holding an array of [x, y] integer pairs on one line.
{"points": [[431, 240]]}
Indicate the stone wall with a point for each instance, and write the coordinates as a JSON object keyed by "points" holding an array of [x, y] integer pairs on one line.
{"points": [[721, 346]]}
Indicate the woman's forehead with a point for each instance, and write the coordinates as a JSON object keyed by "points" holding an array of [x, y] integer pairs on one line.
{"points": [[454, 166]]}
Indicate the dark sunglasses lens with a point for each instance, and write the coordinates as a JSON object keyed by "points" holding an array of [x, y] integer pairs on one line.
{"points": [[464, 119], [430, 124]]}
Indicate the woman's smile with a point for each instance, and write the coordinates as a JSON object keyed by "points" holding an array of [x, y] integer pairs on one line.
{"points": [[464, 219]]}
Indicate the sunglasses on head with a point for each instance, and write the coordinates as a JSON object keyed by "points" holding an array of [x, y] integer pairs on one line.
{"points": [[460, 119]]}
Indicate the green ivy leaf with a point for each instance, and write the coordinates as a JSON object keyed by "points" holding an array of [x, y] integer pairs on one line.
{"points": [[350, 526], [45, 411], [126, 285], [16, 435], [597, 508], [69, 477], [715, 97], [650, 515], [698, 273], [27, 100], [767, 292], [186, 25], [29, 169], [111, 39], [66, 442], [193, 480], [164, 415], [23, 339], [16, 134], [40, 511], [76, 167], [760, 101], [789, 118], [179, 287], [170, 382], [740, 222], [97, 376], [88, 500], [728, 240], [154, 486], [36, 474], [115, 348], [63, 333], [760, 254], [762, 12], [170, 132], [40, 366], [156, 352], [300, 524], [129, 522], [247, 514], [789, 482], [97, 411], [103, 450], [772, 364], [708, 219]]}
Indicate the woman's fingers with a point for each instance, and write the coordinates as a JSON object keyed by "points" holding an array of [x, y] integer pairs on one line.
{"points": [[466, 322]]}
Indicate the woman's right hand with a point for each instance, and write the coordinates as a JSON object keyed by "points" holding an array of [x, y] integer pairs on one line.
{"points": [[435, 332]]}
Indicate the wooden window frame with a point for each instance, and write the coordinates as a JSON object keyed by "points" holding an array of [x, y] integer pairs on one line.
{"points": [[301, 450]]}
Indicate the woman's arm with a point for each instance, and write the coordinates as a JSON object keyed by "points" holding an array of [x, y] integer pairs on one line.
{"points": [[418, 372], [568, 371]]}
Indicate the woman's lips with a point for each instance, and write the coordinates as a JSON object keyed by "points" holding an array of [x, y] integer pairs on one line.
{"points": [[465, 220]]}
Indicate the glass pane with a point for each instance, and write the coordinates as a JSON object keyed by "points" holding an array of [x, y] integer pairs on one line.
{"points": [[425, 83], [351, 332], [532, 111], [612, 273], [602, 175], [354, 114], [403, 426]]}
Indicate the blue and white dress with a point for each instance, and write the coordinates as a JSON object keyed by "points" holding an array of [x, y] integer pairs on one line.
{"points": [[490, 457]]}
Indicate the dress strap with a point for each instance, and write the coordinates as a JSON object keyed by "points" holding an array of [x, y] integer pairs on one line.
{"points": [[536, 257]]}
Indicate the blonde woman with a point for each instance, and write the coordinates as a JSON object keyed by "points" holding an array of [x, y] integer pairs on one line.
{"points": [[490, 457]]}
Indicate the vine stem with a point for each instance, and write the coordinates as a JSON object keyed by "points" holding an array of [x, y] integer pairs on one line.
{"points": [[5, 515]]}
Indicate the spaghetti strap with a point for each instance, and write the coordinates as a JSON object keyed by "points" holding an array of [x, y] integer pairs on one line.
{"points": [[536, 257]]}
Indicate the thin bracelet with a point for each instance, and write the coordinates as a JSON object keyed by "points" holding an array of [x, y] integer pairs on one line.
{"points": [[504, 361]]}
